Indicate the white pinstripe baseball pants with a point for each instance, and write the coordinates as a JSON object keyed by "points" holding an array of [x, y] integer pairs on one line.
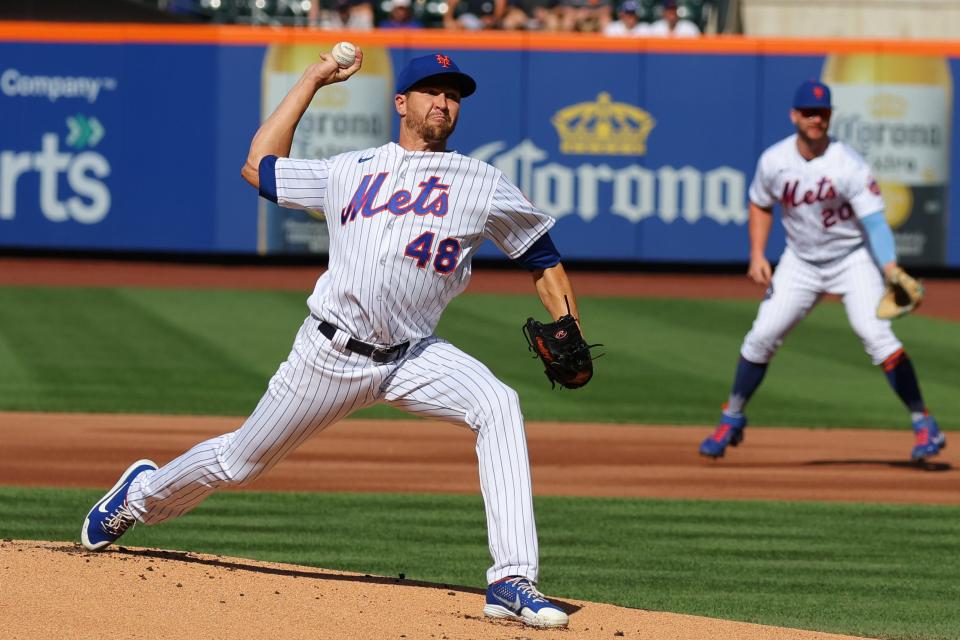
{"points": [[798, 286], [320, 383]]}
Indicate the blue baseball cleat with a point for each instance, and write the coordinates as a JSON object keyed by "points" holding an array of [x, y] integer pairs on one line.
{"points": [[515, 597], [929, 440], [109, 518], [728, 432]]}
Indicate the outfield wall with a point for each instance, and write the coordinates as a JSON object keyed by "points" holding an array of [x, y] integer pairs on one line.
{"points": [[131, 137]]}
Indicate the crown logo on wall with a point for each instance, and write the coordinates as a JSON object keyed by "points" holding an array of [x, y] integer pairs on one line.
{"points": [[603, 127]]}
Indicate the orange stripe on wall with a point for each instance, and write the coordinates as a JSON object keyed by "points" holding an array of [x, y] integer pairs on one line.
{"points": [[96, 33]]}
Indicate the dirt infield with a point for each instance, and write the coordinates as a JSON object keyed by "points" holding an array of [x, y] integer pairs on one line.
{"points": [[88, 450]]}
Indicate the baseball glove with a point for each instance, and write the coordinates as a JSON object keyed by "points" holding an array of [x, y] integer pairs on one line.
{"points": [[560, 346], [903, 295]]}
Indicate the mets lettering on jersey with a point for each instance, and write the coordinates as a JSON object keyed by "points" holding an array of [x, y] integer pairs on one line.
{"points": [[822, 199], [399, 202], [824, 191]]}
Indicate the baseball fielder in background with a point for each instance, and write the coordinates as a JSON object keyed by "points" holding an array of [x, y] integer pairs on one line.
{"points": [[405, 220], [838, 241]]}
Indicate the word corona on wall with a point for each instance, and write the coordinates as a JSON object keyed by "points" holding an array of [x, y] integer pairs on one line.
{"points": [[636, 193]]}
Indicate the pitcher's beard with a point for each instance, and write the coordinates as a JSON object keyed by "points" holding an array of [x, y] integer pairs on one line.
{"points": [[434, 132]]}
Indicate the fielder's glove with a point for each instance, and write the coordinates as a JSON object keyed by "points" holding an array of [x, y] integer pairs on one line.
{"points": [[562, 349], [903, 295]]}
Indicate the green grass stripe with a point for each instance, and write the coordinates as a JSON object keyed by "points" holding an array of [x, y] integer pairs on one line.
{"points": [[866, 569], [667, 361]]}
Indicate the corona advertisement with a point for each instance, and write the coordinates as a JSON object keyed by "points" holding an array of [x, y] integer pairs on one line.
{"points": [[896, 111], [608, 132], [342, 117]]}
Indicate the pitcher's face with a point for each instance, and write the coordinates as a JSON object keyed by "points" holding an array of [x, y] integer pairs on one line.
{"points": [[430, 110]]}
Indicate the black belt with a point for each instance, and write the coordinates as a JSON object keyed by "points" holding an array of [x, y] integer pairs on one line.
{"points": [[375, 353]]}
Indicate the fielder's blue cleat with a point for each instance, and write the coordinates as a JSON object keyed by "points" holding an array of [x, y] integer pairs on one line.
{"points": [[515, 597], [728, 432], [109, 518], [929, 439]]}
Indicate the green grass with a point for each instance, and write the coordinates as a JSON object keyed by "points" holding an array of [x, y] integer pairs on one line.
{"points": [[876, 570], [667, 361]]}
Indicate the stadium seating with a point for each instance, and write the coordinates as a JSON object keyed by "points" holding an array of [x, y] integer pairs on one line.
{"points": [[696, 11]]}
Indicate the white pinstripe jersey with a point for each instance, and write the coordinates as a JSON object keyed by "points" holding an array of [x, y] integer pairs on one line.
{"points": [[404, 226], [822, 199]]}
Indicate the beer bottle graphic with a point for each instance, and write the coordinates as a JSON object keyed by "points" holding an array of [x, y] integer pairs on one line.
{"points": [[895, 110], [342, 117]]}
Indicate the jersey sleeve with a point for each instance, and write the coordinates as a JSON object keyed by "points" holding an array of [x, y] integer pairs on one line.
{"points": [[302, 184], [760, 193], [513, 223], [861, 189]]}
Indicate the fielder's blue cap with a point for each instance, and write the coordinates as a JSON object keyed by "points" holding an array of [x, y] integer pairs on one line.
{"points": [[431, 66], [812, 95]]}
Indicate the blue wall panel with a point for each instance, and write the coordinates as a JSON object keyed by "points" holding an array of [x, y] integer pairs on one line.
{"points": [[654, 167]]}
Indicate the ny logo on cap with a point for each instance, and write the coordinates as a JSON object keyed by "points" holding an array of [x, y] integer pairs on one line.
{"points": [[443, 61], [818, 92]]}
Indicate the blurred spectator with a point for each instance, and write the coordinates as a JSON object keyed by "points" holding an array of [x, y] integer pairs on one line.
{"points": [[671, 26], [354, 15], [531, 15], [628, 22], [400, 16], [474, 15], [591, 16]]}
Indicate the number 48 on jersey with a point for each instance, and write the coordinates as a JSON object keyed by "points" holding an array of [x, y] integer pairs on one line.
{"points": [[445, 258]]}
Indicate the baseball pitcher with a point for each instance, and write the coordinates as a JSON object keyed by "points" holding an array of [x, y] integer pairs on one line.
{"points": [[405, 220]]}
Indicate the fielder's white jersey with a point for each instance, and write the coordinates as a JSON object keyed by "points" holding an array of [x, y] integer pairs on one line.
{"points": [[404, 226], [822, 199]]}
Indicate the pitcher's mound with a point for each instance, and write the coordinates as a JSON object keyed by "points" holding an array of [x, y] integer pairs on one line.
{"points": [[59, 590]]}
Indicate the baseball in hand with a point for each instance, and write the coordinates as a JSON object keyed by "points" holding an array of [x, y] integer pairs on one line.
{"points": [[344, 53]]}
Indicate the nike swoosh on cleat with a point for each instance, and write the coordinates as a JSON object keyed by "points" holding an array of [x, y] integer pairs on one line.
{"points": [[107, 499], [364, 159], [514, 606]]}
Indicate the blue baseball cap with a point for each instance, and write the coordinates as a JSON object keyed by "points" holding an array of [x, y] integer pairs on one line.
{"points": [[433, 65], [812, 95]]}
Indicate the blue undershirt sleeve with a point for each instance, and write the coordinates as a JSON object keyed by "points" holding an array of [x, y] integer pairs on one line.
{"points": [[880, 238], [268, 177], [542, 254]]}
